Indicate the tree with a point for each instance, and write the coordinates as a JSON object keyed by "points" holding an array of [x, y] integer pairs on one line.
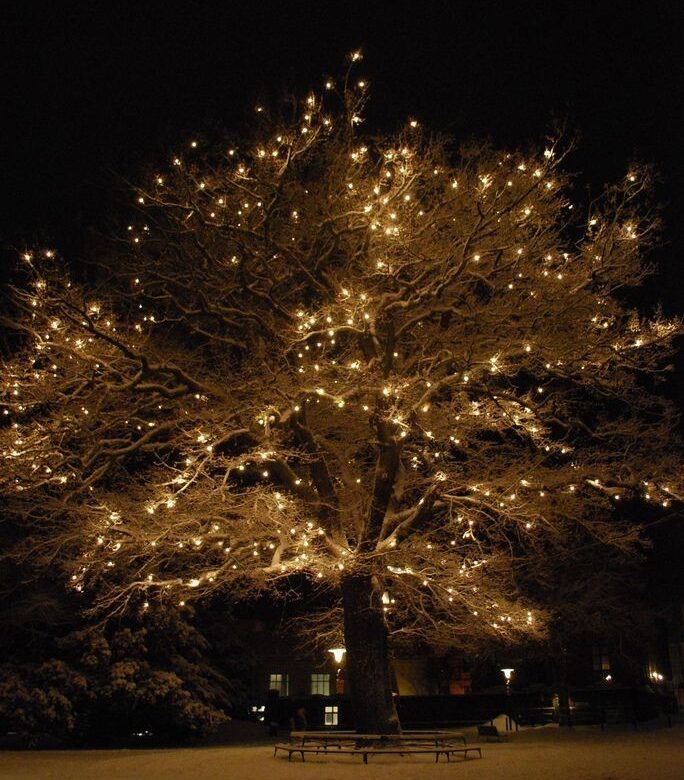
{"points": [[393, 369], [103, 684]]}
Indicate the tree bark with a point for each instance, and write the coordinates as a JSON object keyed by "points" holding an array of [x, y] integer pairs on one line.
{"points": [[368, 667]]}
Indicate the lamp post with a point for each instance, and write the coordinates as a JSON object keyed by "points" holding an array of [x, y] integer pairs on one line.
{"points": [[338, 655], [508, 673]]}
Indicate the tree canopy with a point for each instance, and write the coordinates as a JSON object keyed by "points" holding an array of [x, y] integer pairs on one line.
{"points": [[318, 353]]}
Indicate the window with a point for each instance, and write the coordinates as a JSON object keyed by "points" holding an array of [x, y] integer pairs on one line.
{"points": [[601, 661], [280, 683], [331, 715], [320, 684]]}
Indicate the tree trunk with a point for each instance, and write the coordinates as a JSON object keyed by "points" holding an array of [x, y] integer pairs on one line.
{"points": [[368, 667]]}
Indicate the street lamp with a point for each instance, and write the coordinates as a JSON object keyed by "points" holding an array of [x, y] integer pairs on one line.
{"points": [[338, 654], [508, 673]]}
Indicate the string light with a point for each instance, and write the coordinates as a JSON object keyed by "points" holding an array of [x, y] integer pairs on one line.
{"points": [[346, 323]]}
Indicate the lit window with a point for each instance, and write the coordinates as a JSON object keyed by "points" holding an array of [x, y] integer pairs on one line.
{"points": [[601, 661], [331, 715], [320, 684], [280, 683]]}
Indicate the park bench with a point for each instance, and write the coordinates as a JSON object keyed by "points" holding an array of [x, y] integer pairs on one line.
{"points": [[435, 743], [375, 750], [439, 737], [339, 738], [490, 732]]}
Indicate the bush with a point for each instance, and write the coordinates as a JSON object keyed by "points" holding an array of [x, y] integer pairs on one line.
{"points": [[106, 684]]}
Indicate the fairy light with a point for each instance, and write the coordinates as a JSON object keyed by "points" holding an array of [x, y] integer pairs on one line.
{"points": [[405, 338]]}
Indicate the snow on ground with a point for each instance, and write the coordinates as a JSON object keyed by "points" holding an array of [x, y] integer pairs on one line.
{"points": [[535, 754]]}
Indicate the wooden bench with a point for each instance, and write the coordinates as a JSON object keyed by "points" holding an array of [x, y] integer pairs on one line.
{"points": [[439, 737], [338, 738], [370, 750], [490, 732]]}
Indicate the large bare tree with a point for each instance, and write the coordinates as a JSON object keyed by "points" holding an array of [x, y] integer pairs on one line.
{"points": [[396, 370]]}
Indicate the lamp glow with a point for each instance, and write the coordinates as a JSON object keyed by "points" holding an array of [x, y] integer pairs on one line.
{"points": [[338, 653]]}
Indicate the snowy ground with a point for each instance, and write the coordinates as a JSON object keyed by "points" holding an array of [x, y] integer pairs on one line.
{"points": [[538, 754]]}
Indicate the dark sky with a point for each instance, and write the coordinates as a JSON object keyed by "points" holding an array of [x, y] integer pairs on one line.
{"points": [[91, 89]]}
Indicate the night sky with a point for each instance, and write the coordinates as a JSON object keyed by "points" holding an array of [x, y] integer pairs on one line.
{"points": [[92, 93]]}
